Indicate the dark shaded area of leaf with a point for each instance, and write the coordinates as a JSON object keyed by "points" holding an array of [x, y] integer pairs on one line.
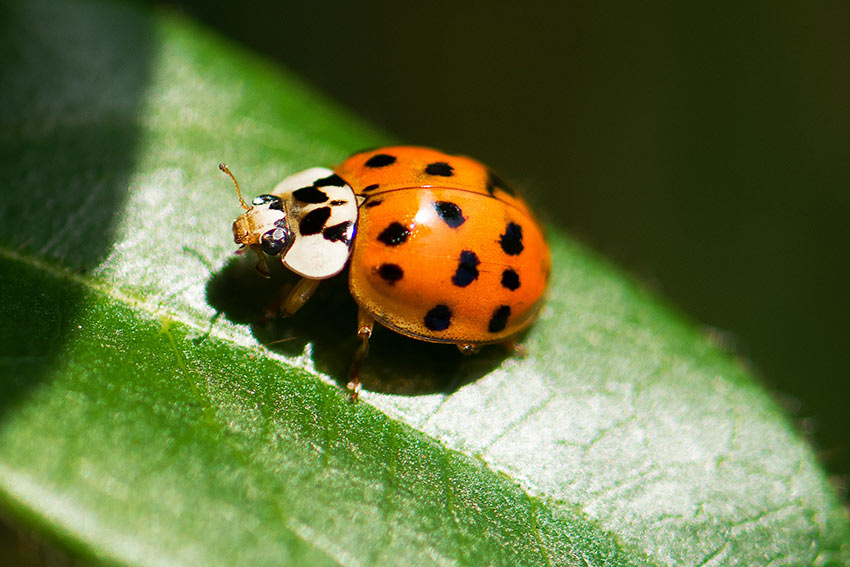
{"points": [[73, 79]]}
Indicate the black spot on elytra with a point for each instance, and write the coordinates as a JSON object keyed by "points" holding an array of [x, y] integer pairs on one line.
{"points": [[330, 181], [467, 269], [370, 188], [395, 234], [439, 318], [310, 195], [450, 213], [337, 232], [390, 273], [510, 279], [314, 221], [495, 182], [372, 203], [338, 202], [440, 168], [511, 240], [499, 319], [380, 160]]}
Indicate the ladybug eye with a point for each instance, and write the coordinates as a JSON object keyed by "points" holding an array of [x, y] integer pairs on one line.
{"points": [[275, 241], [272, 201]]}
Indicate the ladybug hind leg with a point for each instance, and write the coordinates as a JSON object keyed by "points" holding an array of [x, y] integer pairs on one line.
{"points": [[515, 348], [298, 296], [365, 324]]}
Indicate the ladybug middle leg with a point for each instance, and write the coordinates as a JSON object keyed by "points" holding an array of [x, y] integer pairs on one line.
{"points": [[468, 349], [298, 296], [365, 323]]}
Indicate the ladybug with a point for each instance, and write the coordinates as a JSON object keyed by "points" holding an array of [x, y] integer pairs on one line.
{"points": [[438, 247]]}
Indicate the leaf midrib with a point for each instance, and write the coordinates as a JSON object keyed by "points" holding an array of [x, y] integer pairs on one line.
{"points": [[301, 531]]}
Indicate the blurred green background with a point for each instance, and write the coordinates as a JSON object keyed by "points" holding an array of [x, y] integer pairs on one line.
{"points": [[703, 147]]}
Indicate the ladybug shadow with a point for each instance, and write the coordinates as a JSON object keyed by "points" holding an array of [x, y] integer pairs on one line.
{"points": [[328, 321]]}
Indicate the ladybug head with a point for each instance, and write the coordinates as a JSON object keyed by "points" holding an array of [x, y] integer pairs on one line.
{"points": [[262, 227]]}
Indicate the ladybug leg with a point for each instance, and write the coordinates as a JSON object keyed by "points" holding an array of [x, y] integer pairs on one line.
{"points": [[515, 348], [365, 323], [262, 263], [298, 296], [468, 348]]}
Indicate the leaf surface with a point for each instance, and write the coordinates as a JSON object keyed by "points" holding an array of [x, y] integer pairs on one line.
{"points": [[151, 415]]}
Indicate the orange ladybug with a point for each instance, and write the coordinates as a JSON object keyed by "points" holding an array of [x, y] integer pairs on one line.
{"points": [[438, 247]]}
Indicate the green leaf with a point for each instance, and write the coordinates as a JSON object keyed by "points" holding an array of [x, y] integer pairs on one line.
{"points": [[142, 421]]}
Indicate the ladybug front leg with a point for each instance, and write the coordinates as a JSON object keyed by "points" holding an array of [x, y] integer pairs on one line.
{"points": [[298, 296], [262, 262], [365, 323]]}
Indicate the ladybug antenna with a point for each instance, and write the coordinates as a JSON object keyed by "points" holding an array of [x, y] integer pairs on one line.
{"points": [[225, 169]]}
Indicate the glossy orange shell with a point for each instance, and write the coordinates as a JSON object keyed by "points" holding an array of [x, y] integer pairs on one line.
{"points": [[444, 251]]}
